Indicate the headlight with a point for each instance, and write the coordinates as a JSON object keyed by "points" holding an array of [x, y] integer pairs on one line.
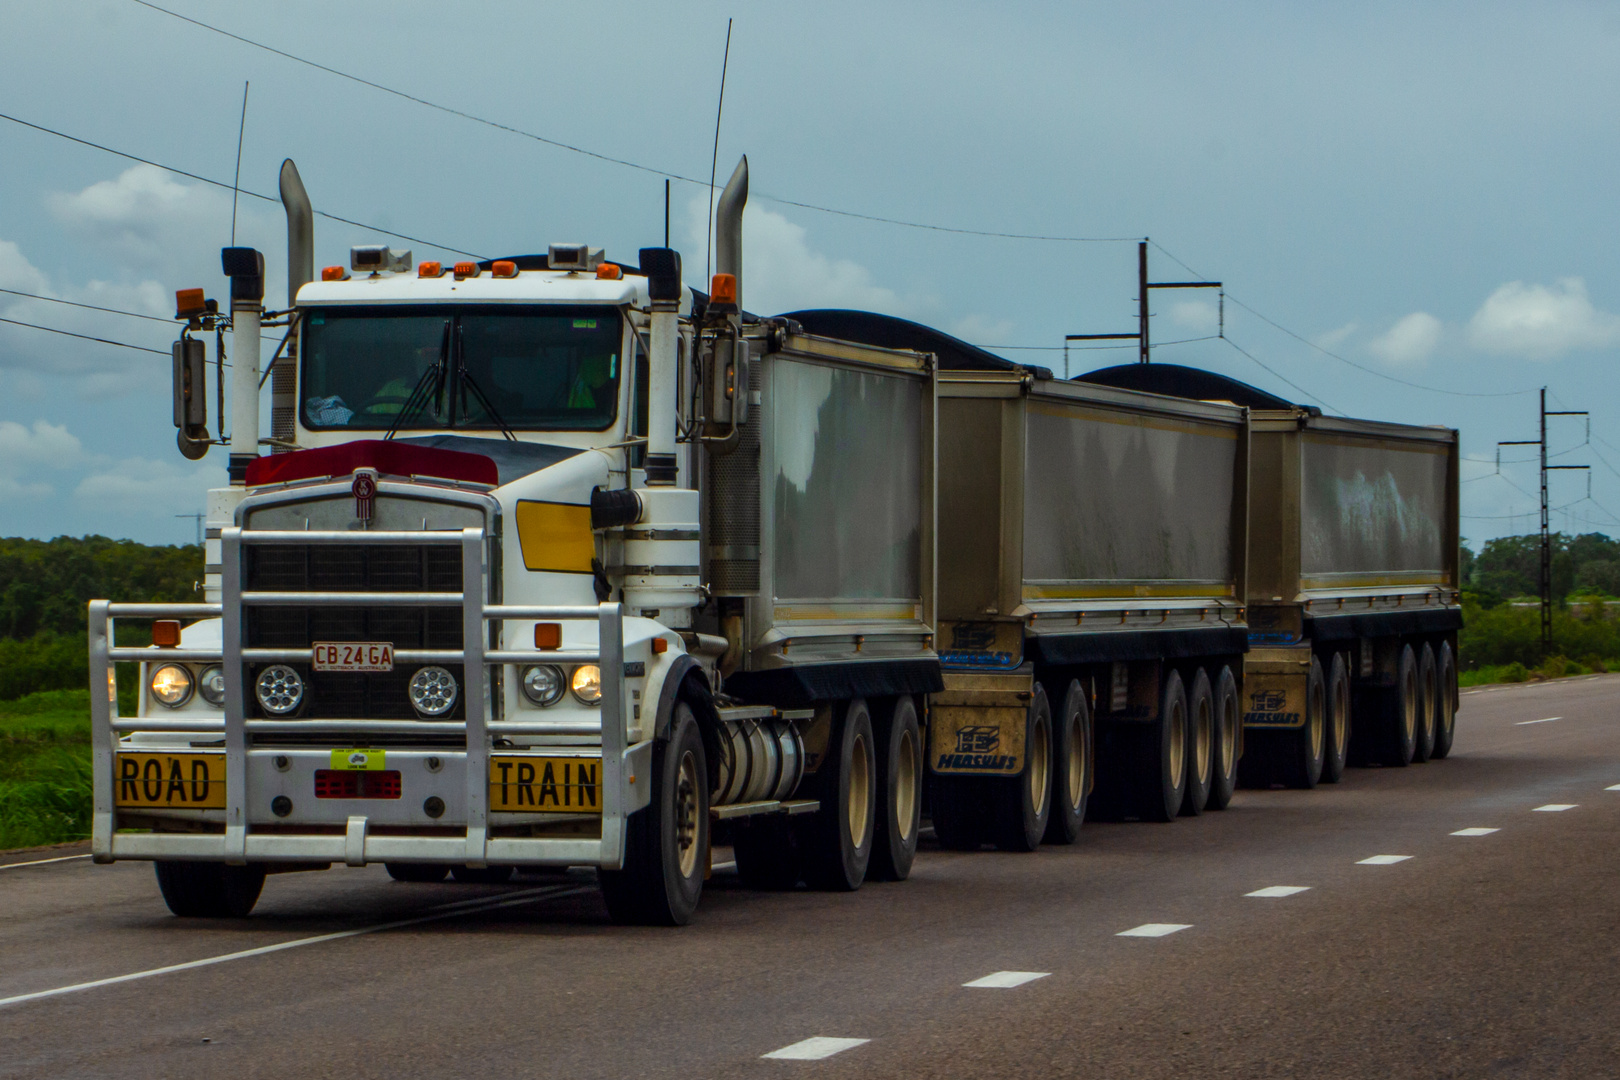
{"points": [[433, 691], [279, 689], [543, 684], [171, 685], [587, 684], [212, 685]]}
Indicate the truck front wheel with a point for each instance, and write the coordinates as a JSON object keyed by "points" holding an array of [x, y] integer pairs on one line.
{"points": [[666, 844], [200, 890]]}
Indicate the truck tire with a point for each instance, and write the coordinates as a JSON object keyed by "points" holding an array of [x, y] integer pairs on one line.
{"points": [[767, 853], [200, 890], [957, 812], [1445, 701], [666, 844], [417, 871], [1305, 747], [485, 875], [837, 839], [1161, 765], [898, 739], [1338, 721], [1200, 745], [1427, 697], [1020, 806], [1071, 765], [1398, 709], [1228, 740]]}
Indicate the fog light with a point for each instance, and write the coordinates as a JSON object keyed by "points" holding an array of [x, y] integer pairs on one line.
{"points": [[171, 685], [587, 684], [279, 689], [212, 685], [433, 691], [281, 806], [433, 806], [543, 684]]}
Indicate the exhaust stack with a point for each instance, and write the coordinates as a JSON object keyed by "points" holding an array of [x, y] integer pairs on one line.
{"points": [[728, 223], [300, 272]]}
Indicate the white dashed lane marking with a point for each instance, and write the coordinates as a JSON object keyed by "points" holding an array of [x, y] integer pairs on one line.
{"points": [[1475, 832], [814, 1049], [1279, 890], [1006, 980], [1543, 720], [1382, 860], [1612, 787], [1554, 807], [1154, 929]]}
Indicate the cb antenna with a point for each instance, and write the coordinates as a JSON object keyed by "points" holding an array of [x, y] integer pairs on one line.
{"points": [[236, 181], [714, 160]]}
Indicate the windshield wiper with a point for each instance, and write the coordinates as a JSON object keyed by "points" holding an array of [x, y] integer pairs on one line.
{"points": [[464, 378], [419, 393]]}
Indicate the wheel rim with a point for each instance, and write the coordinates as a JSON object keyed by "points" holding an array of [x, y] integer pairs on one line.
{"points": [[859, 803], [1409, 705], [1229, 734], [1077, 761], [1341, 717], [686, 813], [1203, 739], [905, 786], [1178, 746], [1318, 707], [1039, 766]]}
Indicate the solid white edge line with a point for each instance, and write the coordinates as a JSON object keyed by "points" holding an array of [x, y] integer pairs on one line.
{"points": [[42, 862], [459, 908], [815, 1048]]}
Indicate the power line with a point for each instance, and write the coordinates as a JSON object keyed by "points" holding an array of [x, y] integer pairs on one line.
{"points": [[1090, 348], [89, 307], [86, 337], [611, 159], [1278, 374], [221, 184]]}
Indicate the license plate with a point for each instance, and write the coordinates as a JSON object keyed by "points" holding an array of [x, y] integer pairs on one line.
{"points": [[568, 785], [171, 781], [354, 656]]}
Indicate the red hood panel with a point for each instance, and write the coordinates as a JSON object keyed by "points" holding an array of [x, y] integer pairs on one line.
{"points": [[386, 456]]}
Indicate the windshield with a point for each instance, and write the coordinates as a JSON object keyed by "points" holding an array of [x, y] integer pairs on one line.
{"points": [[547, 368]]}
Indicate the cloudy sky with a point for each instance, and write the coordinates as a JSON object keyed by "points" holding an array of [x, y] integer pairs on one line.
{"points": [[1412, 205]]}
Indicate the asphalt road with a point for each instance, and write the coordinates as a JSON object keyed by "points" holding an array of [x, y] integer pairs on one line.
{"points": [[1488, 955]]}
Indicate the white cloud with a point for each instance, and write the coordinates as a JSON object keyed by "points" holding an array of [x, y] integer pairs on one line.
{"points": [[983, 331], [1197, 316], [146, 487], [1332, 339], [1412, 340], [26, 451], [1541, 323]]}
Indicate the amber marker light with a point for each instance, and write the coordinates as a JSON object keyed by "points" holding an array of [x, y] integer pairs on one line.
{"points": [[166, 633], [189, 303], [503, 268], [548, 635], [659, 646], [723, 290], [333, 273], [429, 269], [609, 272], [466, 270]]}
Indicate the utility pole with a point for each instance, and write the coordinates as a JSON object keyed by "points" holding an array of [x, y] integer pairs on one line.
{"points": [[1546, 534], [199, 520], [1143, 336]]}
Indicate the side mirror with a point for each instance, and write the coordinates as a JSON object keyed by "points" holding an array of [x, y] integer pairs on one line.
{"points": [[190, 398]]}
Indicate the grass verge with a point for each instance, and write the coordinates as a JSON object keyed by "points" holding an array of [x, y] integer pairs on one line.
{"points": [[45, 775]]}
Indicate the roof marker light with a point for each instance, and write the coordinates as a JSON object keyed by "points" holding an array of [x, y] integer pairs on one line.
{"points": [[723, 293], [189, 303], [609, 272], [466, 270], [334, 273], [503, 268], [430, 269]]}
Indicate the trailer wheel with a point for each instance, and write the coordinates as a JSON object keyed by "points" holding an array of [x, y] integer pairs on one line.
{"points": [[487, 875], [200, 890], [665, 843], [1200, 745], [1427, 698], [1445, 701], [1161, 771], [1071, 766], [838, 837], [1020, 806], [1398, 712], [1306, 747], [767, 853], [1338, 721], [1227, 741], [416, 871], [898, 739]]}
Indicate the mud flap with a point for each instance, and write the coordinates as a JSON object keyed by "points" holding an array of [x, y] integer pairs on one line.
{"points": [[977, 724]]}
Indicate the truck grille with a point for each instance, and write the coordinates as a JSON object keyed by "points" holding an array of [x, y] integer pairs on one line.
{"points": [[390, 568]]}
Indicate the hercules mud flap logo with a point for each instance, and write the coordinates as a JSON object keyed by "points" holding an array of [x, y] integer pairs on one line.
{"points": [[976, 749], [1267, 707]]}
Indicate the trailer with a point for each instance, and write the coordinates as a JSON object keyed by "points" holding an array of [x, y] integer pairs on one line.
{"points": [[1353, 594]]}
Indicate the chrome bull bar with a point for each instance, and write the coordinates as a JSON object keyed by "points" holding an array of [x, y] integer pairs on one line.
{"points": [[240, 844]]}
